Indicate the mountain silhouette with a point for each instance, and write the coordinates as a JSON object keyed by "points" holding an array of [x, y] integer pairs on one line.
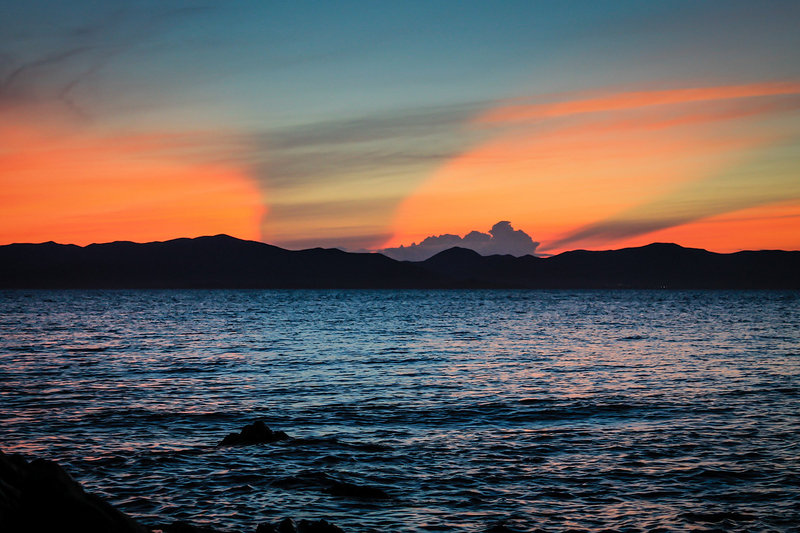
{"points": [[226, 262], [658, 265], [204, 262]]}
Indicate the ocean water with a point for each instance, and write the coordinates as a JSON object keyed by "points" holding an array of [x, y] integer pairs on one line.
{"points": [[542, 410]]}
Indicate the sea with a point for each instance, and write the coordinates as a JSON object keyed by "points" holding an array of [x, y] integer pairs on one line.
{"points": [[462, 410]]}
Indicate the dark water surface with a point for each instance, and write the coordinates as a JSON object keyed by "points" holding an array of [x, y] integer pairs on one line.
{"points": [[550, 410]]}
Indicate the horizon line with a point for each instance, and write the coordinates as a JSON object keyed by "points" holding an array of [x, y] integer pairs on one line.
{"points": [[540, 256]]}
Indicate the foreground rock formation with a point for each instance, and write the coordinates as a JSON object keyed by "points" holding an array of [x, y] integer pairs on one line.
{"points": [[287, 525], [41, 496]]}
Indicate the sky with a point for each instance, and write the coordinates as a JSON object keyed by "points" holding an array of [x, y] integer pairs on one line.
{"points": [[370, 125]]}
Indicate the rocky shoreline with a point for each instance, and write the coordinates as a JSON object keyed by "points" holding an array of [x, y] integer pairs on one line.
{"points": [[39, 495]]}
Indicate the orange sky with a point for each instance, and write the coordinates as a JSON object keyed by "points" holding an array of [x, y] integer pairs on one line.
{"points": [[589, 125], [636, 99], [554, 169], [769, 227], [570, 172], [71, 187]]}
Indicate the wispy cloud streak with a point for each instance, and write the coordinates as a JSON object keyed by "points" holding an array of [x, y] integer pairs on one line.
{"points": [[590, 170], [635, 100], [769, 177]]}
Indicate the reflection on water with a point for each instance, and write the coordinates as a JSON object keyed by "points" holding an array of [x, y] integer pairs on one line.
{"points": [[542, 409]]}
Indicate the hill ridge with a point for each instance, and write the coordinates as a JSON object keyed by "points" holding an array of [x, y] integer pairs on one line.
{"points": [[222, 261]]}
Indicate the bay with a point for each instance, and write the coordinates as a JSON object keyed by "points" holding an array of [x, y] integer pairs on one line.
{"points": [[549, 410]]}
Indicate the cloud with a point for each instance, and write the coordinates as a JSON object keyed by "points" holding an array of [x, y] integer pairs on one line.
{"points": [[327, 175], [327, 223], [396, 140], [501, 239], [326, 178], [58, 61], [634, 100], [607, 166]]}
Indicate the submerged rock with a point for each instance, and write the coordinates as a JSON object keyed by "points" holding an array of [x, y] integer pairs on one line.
{"points": [[317, 526], [287, 525], [256, 433], [42, 496], [332, 486], [179, 526]]}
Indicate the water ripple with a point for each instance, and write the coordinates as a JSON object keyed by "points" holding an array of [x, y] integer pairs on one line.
{"points": [[539, 410]]}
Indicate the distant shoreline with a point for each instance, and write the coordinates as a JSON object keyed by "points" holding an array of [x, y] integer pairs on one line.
{"points": [[223, 262]]}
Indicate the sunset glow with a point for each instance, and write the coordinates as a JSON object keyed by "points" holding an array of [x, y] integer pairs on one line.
{"points": [[366, 127], [556, 176], [368, 266], [82, 190], [771, 227], [633, 100]]}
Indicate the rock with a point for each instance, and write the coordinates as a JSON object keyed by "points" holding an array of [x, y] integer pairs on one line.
{"points": [[266, 528], [256, 433], [317, 526], [351, 490], [287, 525], [179, 526], [42, 496], [330, 485]]}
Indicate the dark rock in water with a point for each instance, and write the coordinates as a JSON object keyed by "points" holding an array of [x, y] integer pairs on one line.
{"points": [[266, 528], [179, 526], [42, 496], [287, 525], [351, 490], [317, 526], [334, 487], [256, 433]]}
